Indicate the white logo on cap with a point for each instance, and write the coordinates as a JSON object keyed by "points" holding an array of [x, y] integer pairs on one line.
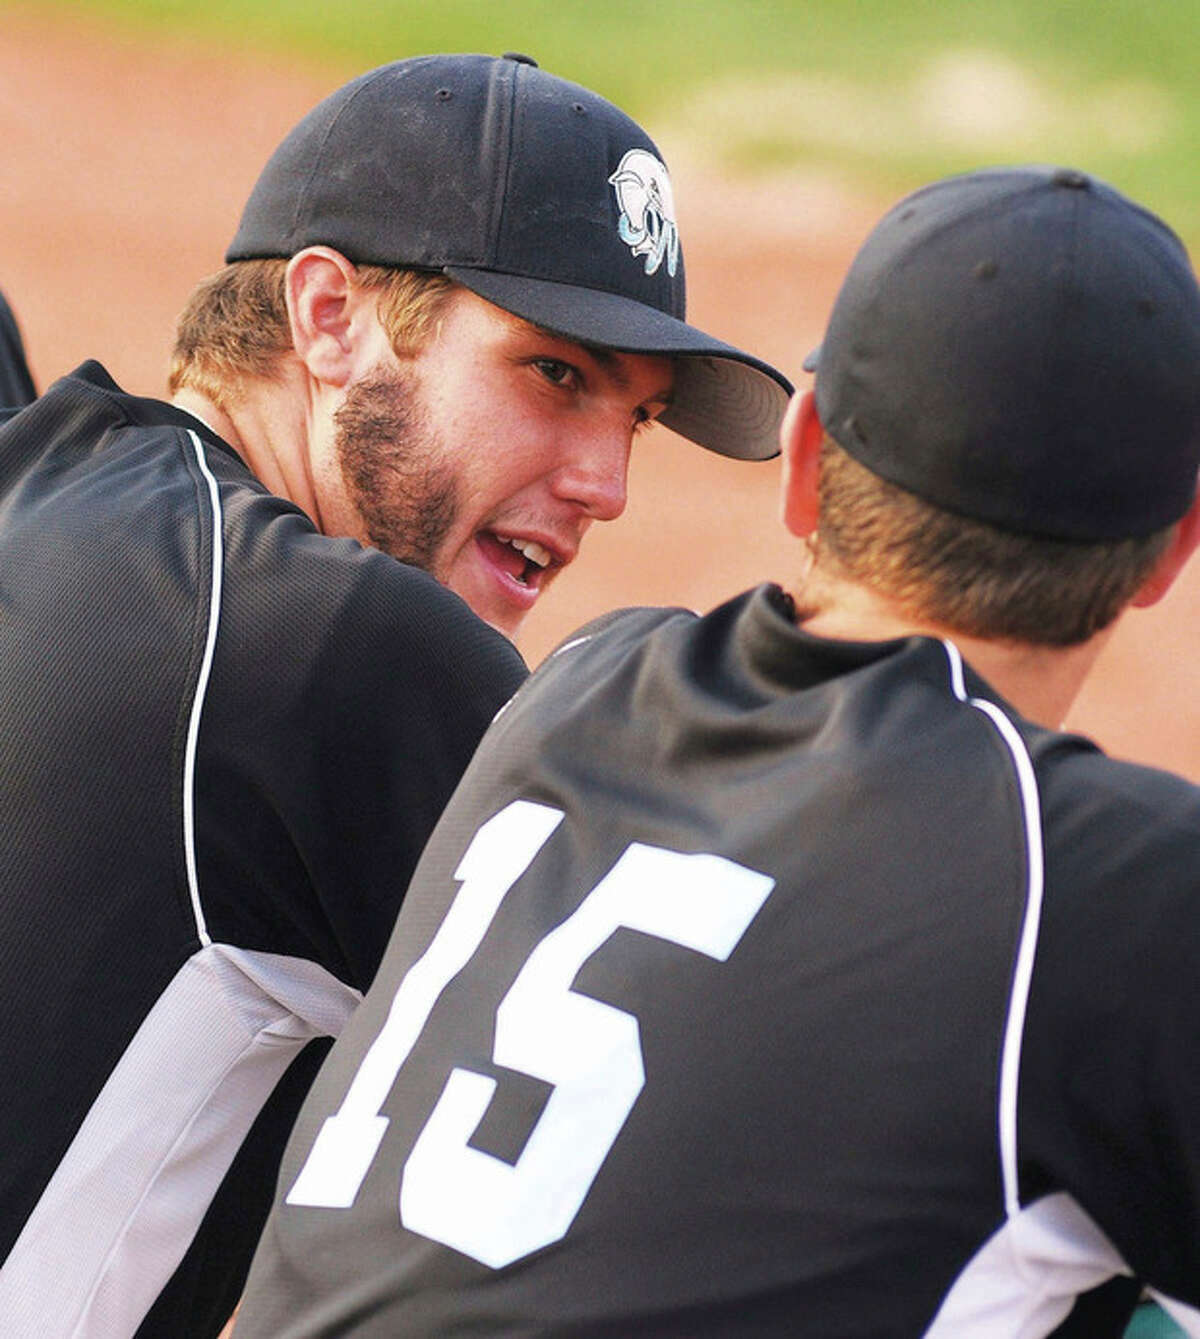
{"points": [[647, 221]]}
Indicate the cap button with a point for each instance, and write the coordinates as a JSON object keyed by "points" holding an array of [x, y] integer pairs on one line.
{"points": [[519, 58], [1068, 176]]}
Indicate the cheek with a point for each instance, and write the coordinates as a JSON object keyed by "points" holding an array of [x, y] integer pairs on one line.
{"points": [[502, 451], [502, 435], [486, 489]]}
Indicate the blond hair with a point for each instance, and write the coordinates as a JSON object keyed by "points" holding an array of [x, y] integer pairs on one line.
{"points": [[235, 324]]}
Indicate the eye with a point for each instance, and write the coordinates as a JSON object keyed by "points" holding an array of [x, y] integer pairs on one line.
{"points": [[643, 417], [557, 372]]}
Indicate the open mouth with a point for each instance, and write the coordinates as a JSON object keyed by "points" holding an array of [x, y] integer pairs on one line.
{"points": [[524, 560]]}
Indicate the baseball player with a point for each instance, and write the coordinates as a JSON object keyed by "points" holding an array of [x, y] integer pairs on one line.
{"points": [[229, 715], [787, 970], [16, 381]]}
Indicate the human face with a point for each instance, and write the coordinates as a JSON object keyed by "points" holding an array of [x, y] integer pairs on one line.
{"points": [[484, 457]]}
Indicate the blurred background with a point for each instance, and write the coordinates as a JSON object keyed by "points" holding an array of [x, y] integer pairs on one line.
{"points": [[133, 130]]}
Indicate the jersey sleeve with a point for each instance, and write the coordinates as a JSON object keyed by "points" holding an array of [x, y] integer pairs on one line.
{"points": [[405, 721], [346, 714], [1110, 1077]]}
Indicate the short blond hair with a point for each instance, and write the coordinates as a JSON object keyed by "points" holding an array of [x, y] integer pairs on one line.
{"points": [[235, 324], [969, 576]]}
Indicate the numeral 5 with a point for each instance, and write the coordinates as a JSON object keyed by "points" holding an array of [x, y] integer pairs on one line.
{"points": [[591, 1052]]}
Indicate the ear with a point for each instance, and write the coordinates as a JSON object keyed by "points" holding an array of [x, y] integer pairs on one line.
{"points": [[1169, 566], [327, 314], [800, 441]]}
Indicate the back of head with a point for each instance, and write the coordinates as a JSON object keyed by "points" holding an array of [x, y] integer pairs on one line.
{"points": [[1017, 352], [531, 191]]}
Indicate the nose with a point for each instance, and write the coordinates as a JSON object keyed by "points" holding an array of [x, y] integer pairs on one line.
{"points": [[593, 471]]}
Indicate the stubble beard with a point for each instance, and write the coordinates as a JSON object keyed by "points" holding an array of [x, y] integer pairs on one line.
{"points": [[394, 468]]}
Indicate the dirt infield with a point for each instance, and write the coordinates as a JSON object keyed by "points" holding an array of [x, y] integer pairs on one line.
{"points": [[125, 168]]}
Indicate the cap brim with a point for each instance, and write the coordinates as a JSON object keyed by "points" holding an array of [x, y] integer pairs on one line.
{"points": [[724, 399]]}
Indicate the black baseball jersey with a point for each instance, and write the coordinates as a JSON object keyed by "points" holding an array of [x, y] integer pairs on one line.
{"points": [[224, 738], [755, 984]]}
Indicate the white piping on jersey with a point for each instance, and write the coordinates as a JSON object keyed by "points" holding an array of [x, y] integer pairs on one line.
{"points": [[1010, 1062], [570, 646], [130, 1192], [193, 734]]}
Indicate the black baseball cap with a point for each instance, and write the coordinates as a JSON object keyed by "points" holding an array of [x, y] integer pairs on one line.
{"points": [[1021, 346], [534, 193]]}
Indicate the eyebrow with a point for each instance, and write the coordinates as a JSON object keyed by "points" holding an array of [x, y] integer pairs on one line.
{"points": [[609, 359]]}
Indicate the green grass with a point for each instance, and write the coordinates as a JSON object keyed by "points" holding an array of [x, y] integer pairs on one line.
{"points": [[885, 93]]}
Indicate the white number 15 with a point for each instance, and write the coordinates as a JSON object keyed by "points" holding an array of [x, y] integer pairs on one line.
{"points": [[591, 1052]]}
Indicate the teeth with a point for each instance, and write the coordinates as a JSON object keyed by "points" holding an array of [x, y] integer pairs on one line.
{"points": [[531, 550]]}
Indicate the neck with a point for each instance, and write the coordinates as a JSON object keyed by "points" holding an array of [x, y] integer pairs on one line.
{"points": [[1041, 682], [266, 424]]}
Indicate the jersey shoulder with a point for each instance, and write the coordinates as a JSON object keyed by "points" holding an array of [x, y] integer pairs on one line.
{"points": [[351, 607], [1098, 806], [1120, 918]]}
